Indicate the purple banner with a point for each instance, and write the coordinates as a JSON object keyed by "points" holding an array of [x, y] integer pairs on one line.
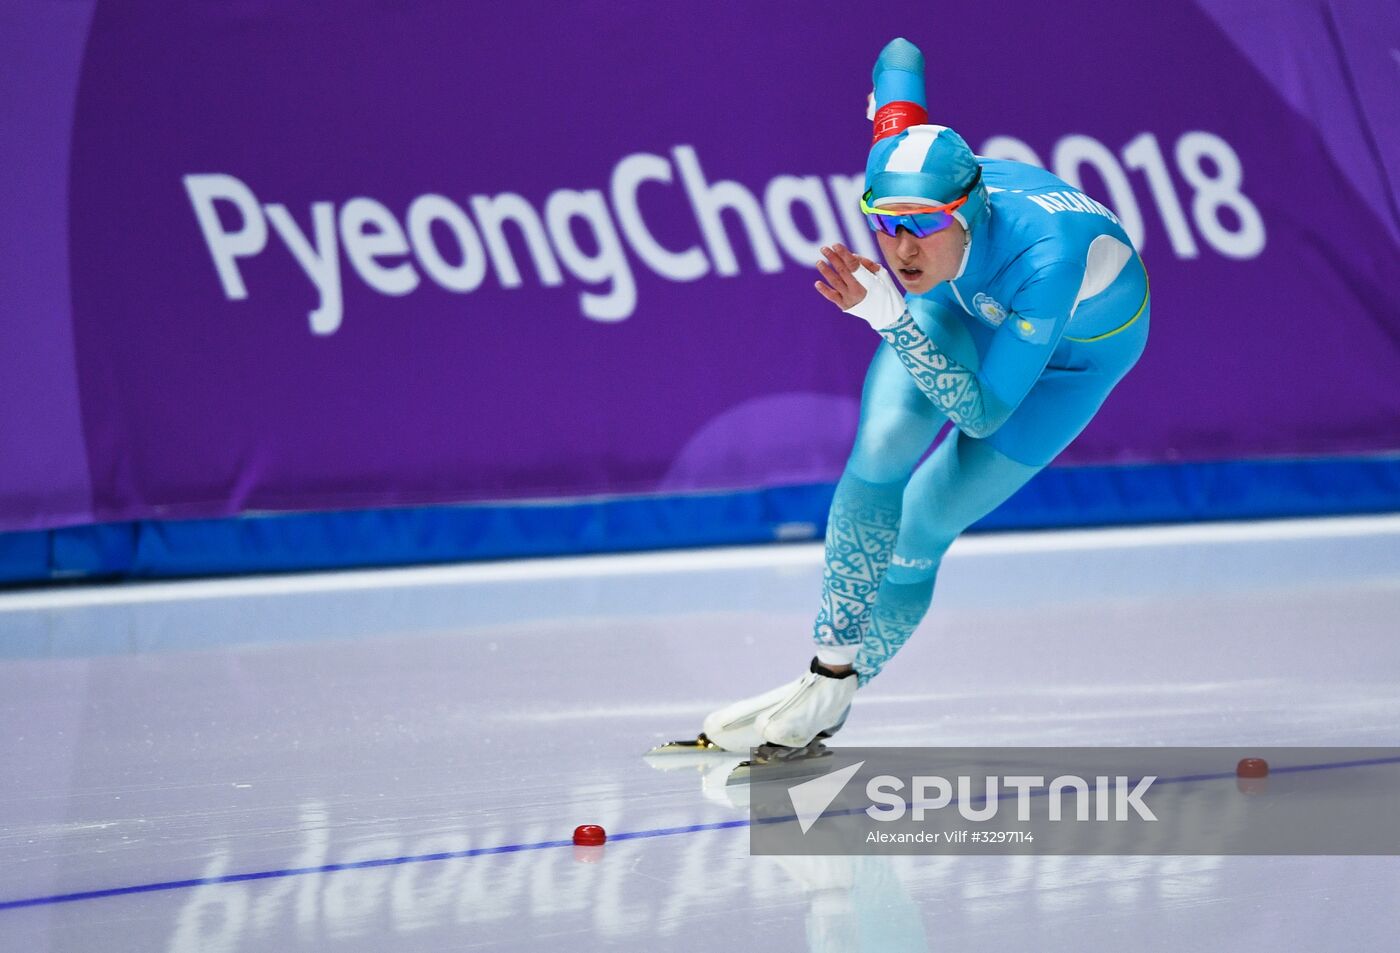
{"points": [[340, 255]]}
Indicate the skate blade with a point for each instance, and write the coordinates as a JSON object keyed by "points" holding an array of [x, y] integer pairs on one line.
{"points": [[697, 745], [783, 764]]}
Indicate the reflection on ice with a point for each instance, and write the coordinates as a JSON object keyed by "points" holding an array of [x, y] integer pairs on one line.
{"points": [[843, 903]]}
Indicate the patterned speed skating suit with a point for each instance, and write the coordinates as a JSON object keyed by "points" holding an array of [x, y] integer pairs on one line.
{"points": [[1048, 312]]}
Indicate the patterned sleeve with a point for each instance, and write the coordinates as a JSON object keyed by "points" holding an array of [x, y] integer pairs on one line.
{"points": [[979, 401]]}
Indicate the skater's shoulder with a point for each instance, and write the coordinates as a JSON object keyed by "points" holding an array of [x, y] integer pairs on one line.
{"points": [[1030, 202], [1008, 174]]}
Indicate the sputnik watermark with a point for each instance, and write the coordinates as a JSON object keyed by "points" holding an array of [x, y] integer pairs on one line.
{"points": [[1106, 798], [1102, 801], [1112, 797]]}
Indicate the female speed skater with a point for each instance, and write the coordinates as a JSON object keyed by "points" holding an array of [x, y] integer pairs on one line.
{"points": [[1023, 305]]}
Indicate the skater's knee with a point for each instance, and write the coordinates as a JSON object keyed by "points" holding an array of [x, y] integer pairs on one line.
{"points": [[924, 536], [888, 447]]}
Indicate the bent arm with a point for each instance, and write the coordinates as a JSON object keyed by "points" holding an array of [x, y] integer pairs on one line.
{"points": [[980, 400], [953, 387]]}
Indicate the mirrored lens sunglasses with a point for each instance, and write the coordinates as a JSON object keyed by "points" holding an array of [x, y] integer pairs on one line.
{"points": [[921, 222]]}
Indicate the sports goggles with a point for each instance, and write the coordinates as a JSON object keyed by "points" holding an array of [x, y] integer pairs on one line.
{"points": [[920, 222]]}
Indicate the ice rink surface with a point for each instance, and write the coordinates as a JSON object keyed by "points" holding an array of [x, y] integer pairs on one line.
{"points": [[281, 764]]}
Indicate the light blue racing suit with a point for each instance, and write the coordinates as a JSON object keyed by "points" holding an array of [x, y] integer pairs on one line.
{"points": [[1049, 311]]}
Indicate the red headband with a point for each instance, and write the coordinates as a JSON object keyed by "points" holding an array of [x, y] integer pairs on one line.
{"points": [[896, 116]]}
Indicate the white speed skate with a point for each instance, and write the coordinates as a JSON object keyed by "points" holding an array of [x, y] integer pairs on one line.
{"points": [[789, 719]]}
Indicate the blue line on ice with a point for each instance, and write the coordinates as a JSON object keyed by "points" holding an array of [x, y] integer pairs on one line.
{"points": [[544, 845]]}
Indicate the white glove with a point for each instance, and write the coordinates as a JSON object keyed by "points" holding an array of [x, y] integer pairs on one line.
{"points": [[883, 303]]}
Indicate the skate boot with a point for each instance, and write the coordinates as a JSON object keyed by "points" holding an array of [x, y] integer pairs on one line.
{"points": [[731, 729], [815, 709], [814, 705], [791, 730]]}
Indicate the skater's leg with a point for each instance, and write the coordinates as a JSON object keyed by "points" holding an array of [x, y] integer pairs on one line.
{"points": [[897, 425], [965, 479], [962, 481]]}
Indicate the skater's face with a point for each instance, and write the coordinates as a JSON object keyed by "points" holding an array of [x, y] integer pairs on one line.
{"points": [[921, 263]]}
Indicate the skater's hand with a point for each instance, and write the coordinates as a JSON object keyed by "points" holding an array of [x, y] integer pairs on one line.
{"points": [[858, 286], [841, 287]]}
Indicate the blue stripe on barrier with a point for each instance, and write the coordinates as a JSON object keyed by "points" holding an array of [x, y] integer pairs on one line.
{"points": [[1058, 497]]}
